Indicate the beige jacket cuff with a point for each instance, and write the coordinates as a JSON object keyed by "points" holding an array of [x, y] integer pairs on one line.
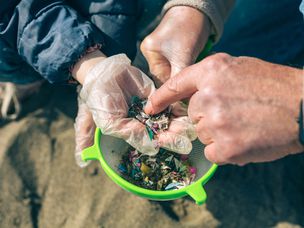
{"points": [[216, 10]]}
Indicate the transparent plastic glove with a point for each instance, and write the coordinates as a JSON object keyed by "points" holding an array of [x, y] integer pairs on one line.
{"points": [[84, 131], [107, 92], [184, 129]]}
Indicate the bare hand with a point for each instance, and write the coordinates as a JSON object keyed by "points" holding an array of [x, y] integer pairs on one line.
{"points": [[176, 42], [245, 110]]}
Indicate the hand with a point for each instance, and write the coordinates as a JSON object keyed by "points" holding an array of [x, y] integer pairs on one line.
{"points": [[176, 42], [107, 90], [245, 109], [84, 131]]}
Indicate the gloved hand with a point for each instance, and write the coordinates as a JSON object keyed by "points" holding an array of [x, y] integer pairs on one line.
{"points": [[105, 98], [84, 131], [176, 42]]}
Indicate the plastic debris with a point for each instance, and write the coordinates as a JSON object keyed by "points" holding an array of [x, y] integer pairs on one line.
{"points": [[164, 171], [154, 123], [174, 185]]}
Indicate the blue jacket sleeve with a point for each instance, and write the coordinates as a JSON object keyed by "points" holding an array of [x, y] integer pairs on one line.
{"points": [[116, 19], [51, 36]]}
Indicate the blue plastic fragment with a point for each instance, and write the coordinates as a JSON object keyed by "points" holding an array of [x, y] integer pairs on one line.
{"points": [[122, 168], [174, 186]]}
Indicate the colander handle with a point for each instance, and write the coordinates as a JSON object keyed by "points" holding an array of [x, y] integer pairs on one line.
{"points": [[92, 152], [197, 192], [89, 153]]}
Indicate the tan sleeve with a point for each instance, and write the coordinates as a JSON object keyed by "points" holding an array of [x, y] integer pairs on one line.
{"points": [[216, 10]]}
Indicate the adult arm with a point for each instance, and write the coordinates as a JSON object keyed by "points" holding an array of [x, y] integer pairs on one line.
{"points": [[216, 10]]}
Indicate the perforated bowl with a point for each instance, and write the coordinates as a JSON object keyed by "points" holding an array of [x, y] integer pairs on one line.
{"points": [[108, 151]]}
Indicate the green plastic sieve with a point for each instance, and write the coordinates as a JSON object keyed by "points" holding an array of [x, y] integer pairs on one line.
{"points": [[108, 151]]}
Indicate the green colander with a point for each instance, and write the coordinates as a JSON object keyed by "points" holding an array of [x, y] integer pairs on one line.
{"points": [[108, 151]]}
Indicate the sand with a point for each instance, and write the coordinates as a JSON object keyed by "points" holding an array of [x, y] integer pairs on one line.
{"points": [[41, 186]]}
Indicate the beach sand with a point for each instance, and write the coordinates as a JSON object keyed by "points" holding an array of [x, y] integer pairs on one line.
{"points": [[41, 185]]}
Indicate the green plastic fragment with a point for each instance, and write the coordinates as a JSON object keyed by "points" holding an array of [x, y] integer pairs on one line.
{"points": [[150, 133]]}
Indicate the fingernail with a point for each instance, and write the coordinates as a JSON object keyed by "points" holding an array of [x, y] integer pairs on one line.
{"points": [[148, 108]]}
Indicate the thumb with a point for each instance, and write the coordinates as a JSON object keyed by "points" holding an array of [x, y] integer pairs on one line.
{"points": [[175, 143], [181, 86], [159, 65], [84, 132], [175, 69]]}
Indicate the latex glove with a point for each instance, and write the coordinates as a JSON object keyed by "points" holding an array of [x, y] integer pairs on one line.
{"points": [[176, 42], [107, 92], [84, 131], [245, 109]]}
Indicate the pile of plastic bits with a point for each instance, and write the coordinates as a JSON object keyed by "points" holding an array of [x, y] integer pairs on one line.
{"points": [[154, 123], [164, 171]]}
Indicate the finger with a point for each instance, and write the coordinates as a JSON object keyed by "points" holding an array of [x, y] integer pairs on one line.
{"points": [[179, 109], [196, 107], [203, 132], [117, 93], [132, 131], [133, 82], [179, 135], [183, 85], [116, 80], [180, 62], [175, 69], [183, 126], [213, 155], [84, 132], [174, 142], [159, 65]]}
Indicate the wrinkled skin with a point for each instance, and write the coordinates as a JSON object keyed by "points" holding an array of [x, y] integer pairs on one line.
{"points": [[245, 110], [176, 42]]}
